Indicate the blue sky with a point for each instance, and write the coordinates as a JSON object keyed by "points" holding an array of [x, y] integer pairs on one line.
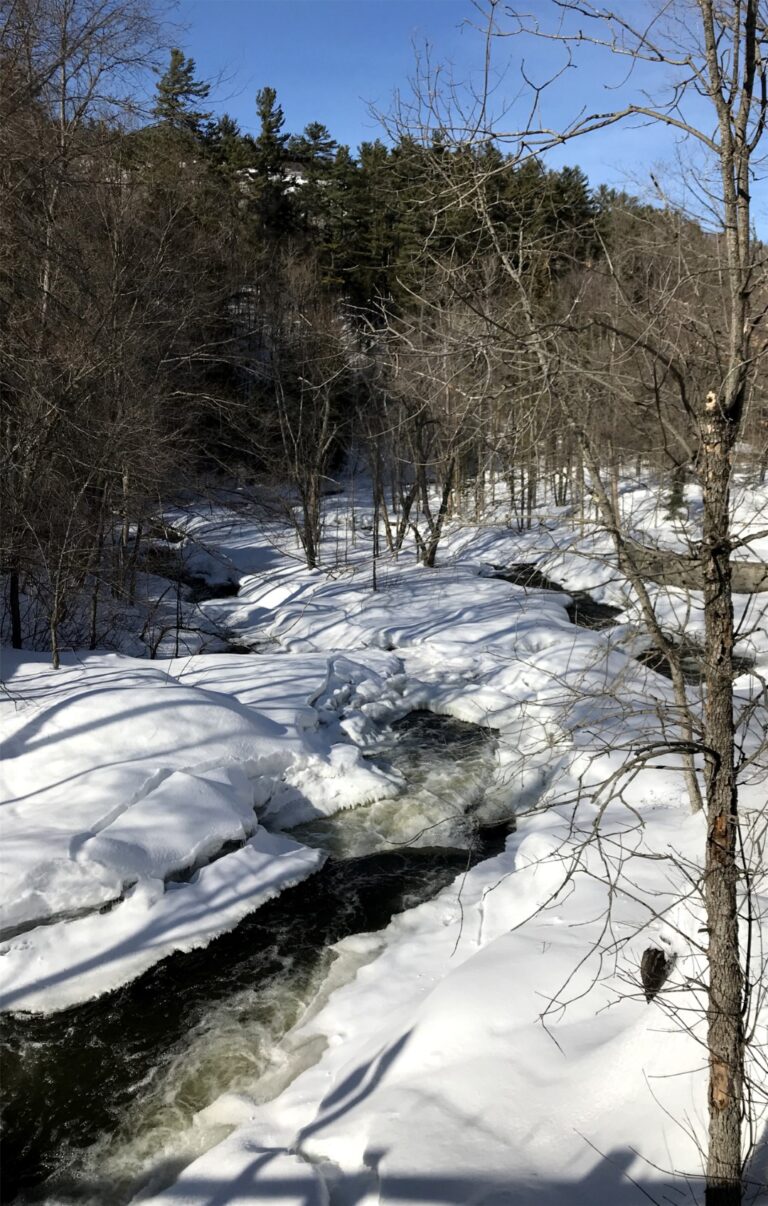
{"points": [[328, 59], [331, 60]]}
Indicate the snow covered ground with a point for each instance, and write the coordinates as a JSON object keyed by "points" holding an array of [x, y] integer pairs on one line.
{"points": [[120, 775], [498, 1047]]}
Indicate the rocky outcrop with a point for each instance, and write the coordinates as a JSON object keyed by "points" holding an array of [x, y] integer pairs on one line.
{"points": [[676, 569]]}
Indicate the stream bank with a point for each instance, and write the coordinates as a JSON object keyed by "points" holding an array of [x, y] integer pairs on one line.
{"points": [[102, 1098]]}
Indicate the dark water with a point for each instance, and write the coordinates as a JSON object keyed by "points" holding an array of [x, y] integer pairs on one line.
{"points": [[199, 589], [588, 613], [691, 662], [584, 611], [123, 1073]]}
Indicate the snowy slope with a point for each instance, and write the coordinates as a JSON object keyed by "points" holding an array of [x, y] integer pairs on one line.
{"points": [[498, 1047], [120, 775]]}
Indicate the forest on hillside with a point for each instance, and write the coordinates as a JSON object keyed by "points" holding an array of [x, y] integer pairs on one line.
{"points": [[180, 302]]}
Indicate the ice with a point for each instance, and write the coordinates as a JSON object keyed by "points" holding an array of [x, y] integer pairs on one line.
{"points": [[117, 770], [57, 965], [186, 818], [85, 745], [342, 781]]}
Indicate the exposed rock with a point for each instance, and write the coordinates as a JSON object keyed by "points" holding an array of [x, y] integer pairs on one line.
{"points": [[668, 568]]}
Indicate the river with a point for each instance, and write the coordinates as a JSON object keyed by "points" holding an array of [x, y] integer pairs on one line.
{"points": [[103, 1101]]}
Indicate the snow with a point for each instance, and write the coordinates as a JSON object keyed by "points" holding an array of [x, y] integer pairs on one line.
{"points": [[118, 774], [439, 1081], [179, 810], [496, 1045], [66, 962], [84, 745], [282, 1178]]}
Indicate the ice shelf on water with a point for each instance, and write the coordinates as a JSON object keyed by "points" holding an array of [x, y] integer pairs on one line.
{"points": [[125, 1091]]}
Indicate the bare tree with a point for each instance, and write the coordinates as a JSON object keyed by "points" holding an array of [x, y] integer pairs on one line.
{"points": [[109, 312], [692, 363], [298, 362], [66, 70]]}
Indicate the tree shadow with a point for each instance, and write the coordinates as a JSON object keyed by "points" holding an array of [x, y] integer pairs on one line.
{"points": [[272, 1175], [297, 1177], [166, 931]]}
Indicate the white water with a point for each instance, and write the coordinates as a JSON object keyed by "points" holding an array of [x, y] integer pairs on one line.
{"points": [[448, 795], [241, 1048], [243, 1052]]}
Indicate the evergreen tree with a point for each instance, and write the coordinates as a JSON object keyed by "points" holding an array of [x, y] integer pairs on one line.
{"points": [[573, 217], [227, 146], [314, 152], [375, 221], [269, 146], [273, 204], [177, 92], [339, 251], [315, 148], [410, 186]]}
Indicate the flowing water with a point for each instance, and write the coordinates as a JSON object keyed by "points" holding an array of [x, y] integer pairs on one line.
{"points": [[104, 1099], [446, 766], [586, 612], [583, 610]]}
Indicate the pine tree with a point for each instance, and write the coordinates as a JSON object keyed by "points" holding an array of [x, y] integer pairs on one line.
{"points": [[228, 147], [407, 163], [573, 217], [315, 147], [339, 252], [314, 152], [177, 92], [376, 219], [273, 203], [269, 146]]}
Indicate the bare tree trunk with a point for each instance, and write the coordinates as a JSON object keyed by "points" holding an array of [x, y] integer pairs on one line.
{"points": [[406, 503], [96, 570], [436, 526], [384, 514], [375, 557], [531, 491], [379, 500], [581, 486], [310, 524], [725, 1022], [53, 625], [133, 562], [94, 616]]}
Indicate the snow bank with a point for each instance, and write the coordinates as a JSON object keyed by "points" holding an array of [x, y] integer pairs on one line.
{"points": [[493, 1052], [119, 775], [283, 1178], [84, 746], [58, 965], [184, 820]]}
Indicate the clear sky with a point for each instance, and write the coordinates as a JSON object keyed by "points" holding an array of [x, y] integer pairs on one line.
{"points": [[328, 59], [331, 60]]}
